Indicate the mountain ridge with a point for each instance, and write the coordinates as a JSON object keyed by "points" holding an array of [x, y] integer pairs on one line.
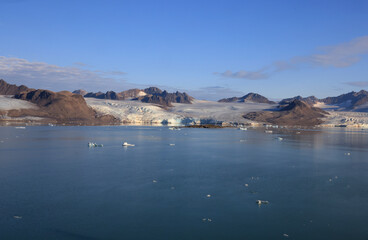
{"points": [[250, 97]]}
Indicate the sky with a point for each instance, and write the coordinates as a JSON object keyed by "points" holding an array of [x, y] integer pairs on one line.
{"points": [[210, 49]]}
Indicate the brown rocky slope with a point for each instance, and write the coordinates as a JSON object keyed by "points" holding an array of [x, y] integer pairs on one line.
{"points": [[296, 113], [59, 107]]}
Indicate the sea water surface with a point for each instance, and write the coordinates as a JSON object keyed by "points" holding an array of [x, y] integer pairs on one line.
{"points": [[53, 186]]}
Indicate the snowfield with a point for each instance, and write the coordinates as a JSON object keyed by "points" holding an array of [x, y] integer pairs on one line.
{"points": [[218, 112], [134, 112], [350, 119], [8, 103], [338, 116]]}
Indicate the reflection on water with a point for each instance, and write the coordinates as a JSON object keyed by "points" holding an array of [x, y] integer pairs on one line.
{"points": [[53, 186]]}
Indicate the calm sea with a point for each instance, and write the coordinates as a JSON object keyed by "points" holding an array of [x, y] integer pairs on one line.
{"points": [[187, 184]]}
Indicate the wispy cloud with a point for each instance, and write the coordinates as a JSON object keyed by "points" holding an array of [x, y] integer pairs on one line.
{"points": [[244, 74], [214, 93], [44, 75], [358, 83], [339, 56]]}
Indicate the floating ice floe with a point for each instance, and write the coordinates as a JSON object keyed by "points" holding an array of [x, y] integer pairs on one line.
{"points": [[260, 202], [91, 144], [206, 219], [125, 144]]}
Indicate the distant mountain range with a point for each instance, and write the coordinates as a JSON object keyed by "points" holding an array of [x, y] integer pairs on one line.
{"points": [[348, 101], [67, 107], [149, 95], [250, 97]]}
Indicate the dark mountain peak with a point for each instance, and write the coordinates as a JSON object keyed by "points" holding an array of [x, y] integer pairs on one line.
{"points": [[165, 98], [295, 105], [311, 100], [362, 92], [250, 97], [152, 90], [108, 95], [149, 95]]}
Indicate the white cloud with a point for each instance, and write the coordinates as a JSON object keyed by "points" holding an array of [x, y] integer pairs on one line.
{"points": [[358, 83], [255, 75], [339, 56], [342, 55], [48, 76], [214, 93]]}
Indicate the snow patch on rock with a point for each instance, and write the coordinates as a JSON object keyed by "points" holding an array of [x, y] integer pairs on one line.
{"points": [[7, 102]]}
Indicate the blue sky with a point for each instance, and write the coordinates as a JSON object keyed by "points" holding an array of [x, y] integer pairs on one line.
{"points": [[211, 49]]}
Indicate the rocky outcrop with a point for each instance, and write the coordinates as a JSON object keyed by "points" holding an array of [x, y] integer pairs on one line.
{"points": [[11, 89], [165, 99], [132, 93], [80, 92], [108, 95], [149, 95], [60, 107], [296, 113], [153, 91], [250, 97]]}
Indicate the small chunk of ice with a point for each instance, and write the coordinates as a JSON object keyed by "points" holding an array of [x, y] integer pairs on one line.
{"points": [[260, 202]]}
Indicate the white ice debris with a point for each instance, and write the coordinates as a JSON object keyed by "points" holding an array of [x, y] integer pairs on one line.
{"points": [[260, 202], [206, 219], [125, 144], [91, 144]]}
